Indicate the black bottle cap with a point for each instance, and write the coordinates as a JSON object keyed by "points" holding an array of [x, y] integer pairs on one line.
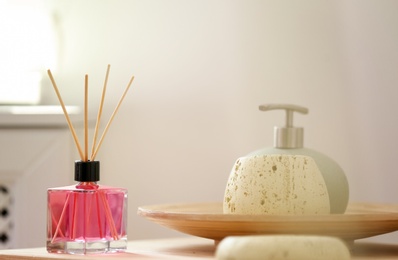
{"points": [[87, 171]]}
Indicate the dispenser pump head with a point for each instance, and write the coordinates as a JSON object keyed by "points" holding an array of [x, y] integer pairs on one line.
{"points": [[287, 137]]}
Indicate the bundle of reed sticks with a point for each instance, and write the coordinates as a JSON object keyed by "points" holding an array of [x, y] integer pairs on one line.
{"points": [[84, 156]]}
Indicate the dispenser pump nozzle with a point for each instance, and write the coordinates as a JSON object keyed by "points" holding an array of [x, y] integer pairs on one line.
{"points": [[287, 137]]}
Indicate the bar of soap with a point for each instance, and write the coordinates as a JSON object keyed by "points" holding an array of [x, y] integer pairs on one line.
{"points": [[276, 184], [278, 247]]}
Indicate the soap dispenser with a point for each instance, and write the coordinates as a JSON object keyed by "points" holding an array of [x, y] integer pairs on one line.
{"points": [[286, 178]]}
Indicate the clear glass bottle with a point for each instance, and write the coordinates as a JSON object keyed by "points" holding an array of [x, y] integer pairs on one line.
{"points": [[87, 217]]}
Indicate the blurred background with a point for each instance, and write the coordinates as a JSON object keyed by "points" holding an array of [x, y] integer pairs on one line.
{"points": [[201, 70]]}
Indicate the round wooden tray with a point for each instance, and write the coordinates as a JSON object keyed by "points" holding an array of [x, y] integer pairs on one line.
{"points": [[206, 220]]}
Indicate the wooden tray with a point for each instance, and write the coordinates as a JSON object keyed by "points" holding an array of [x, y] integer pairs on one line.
{"points": [[207, 220]]}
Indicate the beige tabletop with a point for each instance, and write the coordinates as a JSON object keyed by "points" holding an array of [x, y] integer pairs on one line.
{"points": [[183, 248]]}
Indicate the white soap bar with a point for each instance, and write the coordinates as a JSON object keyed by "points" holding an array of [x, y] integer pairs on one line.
{"points": [[276, 184], [278, 247]]}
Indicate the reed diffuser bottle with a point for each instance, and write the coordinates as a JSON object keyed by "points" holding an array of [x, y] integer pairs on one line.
{"points": [[87, 218]]}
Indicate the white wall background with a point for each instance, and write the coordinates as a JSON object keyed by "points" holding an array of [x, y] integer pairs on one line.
{"points": [[203, 67]]}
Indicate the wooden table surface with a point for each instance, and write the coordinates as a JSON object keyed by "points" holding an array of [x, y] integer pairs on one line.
{"points": [[183, 248]]}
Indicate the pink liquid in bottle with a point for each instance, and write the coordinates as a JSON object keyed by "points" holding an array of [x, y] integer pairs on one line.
{"points": [[86, 218]]}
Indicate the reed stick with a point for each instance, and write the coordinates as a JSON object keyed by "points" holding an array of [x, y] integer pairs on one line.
{"points": [[85, 118], [100, 112], [111, 119], [61, 218], [101, 233], [74, 216], [75, 138], [108, 216]]}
